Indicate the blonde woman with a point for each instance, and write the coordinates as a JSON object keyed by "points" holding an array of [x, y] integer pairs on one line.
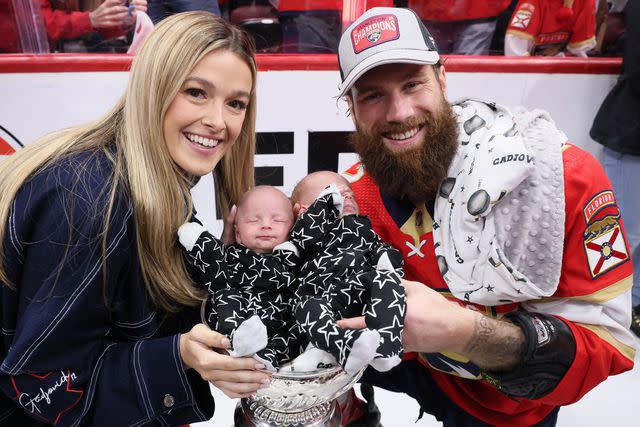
{"points": [[99, 315]]}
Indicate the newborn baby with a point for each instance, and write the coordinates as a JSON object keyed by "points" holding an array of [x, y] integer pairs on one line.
{"points": [[250, 282]]}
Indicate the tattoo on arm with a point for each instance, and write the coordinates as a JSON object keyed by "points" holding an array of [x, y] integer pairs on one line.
{"points": [[495, 344], [483, 331]]}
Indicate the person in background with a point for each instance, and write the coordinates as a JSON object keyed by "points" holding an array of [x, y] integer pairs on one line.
{"points": [[460, 26], [551, 28], [81, 25], [611, 30], [518, 265], [100, 318], [617, 127], [313, 26], [160, 9], [9, 31]]}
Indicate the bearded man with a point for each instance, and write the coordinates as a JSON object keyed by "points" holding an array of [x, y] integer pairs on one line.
{"points": [[493, 210]]}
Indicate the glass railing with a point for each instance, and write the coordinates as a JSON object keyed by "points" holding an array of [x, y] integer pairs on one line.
{"points": [[584, 28]]}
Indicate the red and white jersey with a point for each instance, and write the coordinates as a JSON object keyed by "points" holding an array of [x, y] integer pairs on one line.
{"points": [[535, 29], [593, 295]]}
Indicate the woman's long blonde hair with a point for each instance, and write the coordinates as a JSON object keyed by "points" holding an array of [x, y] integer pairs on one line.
{"points": [[131, 136]]}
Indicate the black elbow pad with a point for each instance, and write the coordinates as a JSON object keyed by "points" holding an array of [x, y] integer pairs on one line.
{"points": [[548, 352]]}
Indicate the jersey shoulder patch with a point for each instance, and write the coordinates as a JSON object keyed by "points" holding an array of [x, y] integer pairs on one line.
{"points": [[522, 16], [354, 173]]}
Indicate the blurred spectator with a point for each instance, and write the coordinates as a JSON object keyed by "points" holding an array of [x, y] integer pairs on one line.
{"points": [[460, 26], [497, 42], [611, 32], [260, 19], [88, 26], [160, 9], [602, 9], [314, 26], [22, 27], [9, 36], [617, 127], [551, 28]]}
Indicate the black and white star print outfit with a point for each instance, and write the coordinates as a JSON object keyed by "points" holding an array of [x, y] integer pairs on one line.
{"points": [[250, 294], [348, 271]]}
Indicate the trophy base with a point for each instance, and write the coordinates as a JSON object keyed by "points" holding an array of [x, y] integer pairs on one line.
{"points": [[253, 414]]}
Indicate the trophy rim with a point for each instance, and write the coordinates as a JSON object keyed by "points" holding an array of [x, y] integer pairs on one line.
{"points": [[316, 373]]}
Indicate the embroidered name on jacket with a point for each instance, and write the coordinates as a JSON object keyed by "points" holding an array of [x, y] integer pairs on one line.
{"points": [[47, 396]]}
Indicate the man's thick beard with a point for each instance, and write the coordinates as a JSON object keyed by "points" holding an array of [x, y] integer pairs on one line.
{"points": [[415, 173]]}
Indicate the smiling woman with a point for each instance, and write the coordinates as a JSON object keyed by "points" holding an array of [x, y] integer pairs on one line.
{"points": [[93, 285], [206, 116]]}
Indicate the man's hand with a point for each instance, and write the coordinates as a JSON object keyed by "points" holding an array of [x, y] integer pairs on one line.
{"points": [[434, 324]]}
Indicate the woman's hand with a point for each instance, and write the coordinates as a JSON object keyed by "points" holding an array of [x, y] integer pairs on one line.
{"points": [[110, 14], [204, 350], [228, 232]]}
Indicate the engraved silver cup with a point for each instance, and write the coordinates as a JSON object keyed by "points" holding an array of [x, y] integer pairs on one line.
{"points": [[297, 399]]}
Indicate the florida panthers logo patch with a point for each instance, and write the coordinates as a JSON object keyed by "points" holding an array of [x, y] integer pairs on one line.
{"points": [[522, 18], [604, 243], [374, 37], [375, 31]]}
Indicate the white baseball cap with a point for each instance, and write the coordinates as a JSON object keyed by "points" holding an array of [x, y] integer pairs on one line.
{"points": [[383, 35]]}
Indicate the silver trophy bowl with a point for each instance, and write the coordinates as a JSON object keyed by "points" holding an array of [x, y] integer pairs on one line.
{"points": [[297, 399]]}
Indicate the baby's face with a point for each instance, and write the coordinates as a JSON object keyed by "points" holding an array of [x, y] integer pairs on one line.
{"points": [[263, 220], [319, 181]]}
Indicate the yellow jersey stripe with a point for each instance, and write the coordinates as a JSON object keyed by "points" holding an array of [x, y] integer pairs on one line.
{"points": [[602, 332]]}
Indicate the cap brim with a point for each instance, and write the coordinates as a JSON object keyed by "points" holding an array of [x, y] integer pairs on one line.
{"points": [[427, 57]]}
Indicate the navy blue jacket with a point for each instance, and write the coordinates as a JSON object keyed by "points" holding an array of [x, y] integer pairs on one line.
{"points": [[74, 351]]}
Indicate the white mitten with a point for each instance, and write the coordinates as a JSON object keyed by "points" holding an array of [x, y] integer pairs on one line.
{"points": [[287, 246], [189, 233], [338, 200], [249, 337], [384, 263], [363, 351]]}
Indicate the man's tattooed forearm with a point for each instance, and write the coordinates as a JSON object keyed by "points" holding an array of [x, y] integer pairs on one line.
{"points": [[484, 330], [494, 344]]}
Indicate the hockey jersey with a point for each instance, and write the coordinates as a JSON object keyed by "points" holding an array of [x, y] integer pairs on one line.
{"points": [[593, 293], [536, 28]]}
